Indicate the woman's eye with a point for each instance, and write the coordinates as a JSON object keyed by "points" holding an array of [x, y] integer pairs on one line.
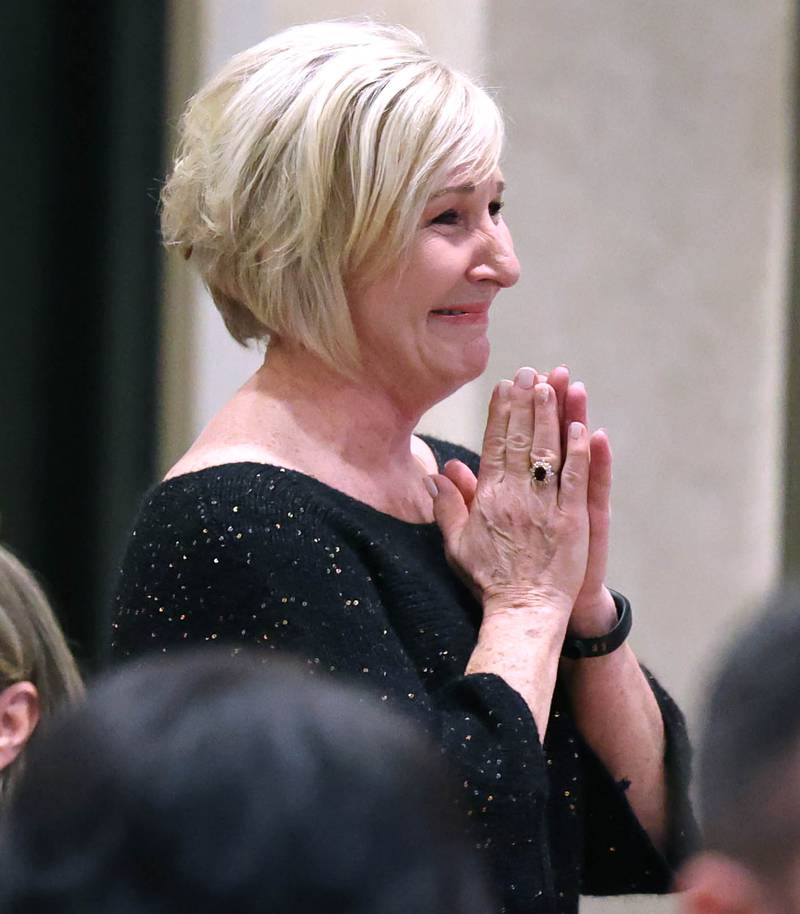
{"points": [[452, 217], [448, 217]]}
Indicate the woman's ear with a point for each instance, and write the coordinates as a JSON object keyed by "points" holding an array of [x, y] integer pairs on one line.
{"points": [[712, 883], [19, 715]]}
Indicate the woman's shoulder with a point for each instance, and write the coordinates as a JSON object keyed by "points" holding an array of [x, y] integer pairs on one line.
{"points": [[211, 495], [208, 457], [258, 497]]}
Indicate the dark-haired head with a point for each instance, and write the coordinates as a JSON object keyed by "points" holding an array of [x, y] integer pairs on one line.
{"points": [[209, 783], [749, 771]]}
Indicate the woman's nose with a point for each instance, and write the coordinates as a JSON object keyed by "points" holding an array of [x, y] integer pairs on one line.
{"points": [[495, 259]]}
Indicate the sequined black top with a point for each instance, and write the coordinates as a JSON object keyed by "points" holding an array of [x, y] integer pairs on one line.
{"points": [[253, 554]]}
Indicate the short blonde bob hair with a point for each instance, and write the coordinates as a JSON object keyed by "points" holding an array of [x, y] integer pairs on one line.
{"points": [[32, 649], [303, 168]]}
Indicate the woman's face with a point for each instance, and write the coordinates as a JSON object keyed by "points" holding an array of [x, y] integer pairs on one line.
{"points": [[424, 326]]}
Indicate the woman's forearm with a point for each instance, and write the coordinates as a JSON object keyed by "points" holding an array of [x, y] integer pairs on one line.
{"points": [[618, 715], [520, 640]]}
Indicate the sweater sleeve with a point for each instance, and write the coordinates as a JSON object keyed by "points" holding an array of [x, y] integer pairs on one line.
{"points": [[292, 587], [618, 854]]}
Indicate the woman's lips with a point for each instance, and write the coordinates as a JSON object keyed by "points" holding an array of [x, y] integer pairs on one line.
{"points": [[472, 313]]}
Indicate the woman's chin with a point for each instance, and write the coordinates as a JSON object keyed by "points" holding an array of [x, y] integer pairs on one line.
{"points": [[476, 357], [470, 363]]}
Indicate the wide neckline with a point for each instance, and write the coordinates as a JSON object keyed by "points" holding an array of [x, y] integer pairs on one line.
{"points": [[300, 475]]}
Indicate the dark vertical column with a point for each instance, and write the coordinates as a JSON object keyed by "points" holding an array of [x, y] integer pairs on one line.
{"points": [[82, 89]]}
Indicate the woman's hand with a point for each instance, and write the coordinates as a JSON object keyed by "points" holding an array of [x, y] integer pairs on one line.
{"points": [[594, 612], [523, 544]]}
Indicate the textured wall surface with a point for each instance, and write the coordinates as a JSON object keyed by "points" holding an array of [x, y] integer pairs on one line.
{"points": [[648, 173], [648, 189]]}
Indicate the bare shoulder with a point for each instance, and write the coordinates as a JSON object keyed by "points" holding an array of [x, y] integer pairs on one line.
{"points": [[232, 436], [203, 458], [424, 454]]}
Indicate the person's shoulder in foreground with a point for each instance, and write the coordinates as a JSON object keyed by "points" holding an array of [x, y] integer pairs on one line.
{"points": [[749, 772]]}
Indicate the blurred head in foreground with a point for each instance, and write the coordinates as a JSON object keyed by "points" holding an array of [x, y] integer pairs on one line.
{"points": [[209, 784], [37, 671], [749, 776]]}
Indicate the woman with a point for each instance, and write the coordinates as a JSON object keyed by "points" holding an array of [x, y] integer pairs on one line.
{"points": [[340, 193], [37, 671], [210, 785]]}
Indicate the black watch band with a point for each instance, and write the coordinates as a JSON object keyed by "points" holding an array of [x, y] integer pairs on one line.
{"points": [[578, 648]]}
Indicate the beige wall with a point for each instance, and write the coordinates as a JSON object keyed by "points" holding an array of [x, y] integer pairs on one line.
{"points": [[648, 193], [649, 176]]}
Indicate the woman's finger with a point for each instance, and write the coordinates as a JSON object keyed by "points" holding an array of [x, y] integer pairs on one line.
{"points": [[573, 490], [546, 444], [598, 499], [449, 509], [519, 435], [463, 478], [558, 379], [493, 451], [575, 409], [599, 496]]}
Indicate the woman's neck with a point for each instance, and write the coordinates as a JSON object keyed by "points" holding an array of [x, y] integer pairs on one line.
{"points": [[352, 435], [366, 424]]}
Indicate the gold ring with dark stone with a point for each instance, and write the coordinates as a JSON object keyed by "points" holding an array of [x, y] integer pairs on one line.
{"points": [[541, 472]]}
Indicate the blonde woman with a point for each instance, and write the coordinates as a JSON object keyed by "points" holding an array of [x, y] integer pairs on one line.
{"points": [[340, 192], [37, 670]]}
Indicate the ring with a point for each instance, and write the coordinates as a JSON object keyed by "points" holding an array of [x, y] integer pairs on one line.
{"points": [[541, 472]]}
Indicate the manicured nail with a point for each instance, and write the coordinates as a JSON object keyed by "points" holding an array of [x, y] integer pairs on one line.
{"points": [[542, 393], [575, 429], [430, 485], [526, 378]]}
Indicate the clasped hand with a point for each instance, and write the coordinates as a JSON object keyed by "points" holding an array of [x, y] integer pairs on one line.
{"points": [[521, 543]]}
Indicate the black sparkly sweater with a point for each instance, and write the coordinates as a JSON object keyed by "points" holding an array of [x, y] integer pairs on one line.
{"points": [[252, 554]]}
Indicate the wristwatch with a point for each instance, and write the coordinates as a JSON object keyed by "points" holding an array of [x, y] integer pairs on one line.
{"points": [[579, 648]]}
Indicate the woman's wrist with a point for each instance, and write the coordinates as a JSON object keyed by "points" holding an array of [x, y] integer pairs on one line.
{"points": [[593, 617], [512, 600]]}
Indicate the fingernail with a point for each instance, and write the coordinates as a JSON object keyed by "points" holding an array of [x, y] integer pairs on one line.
{"points": [[526, 378], [542, 393], [504, 388], [578, 384], [575, 429], [430, 485]]}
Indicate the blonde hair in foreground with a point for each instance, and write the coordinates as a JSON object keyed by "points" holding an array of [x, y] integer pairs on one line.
{"points": [[303, 168], [32, 649]]}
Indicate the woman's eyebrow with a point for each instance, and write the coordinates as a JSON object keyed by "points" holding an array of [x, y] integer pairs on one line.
{"points": [[464, 189]]}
